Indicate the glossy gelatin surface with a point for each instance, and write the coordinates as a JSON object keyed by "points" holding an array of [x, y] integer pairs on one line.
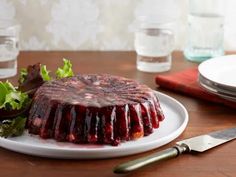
{"points": [[94, 108]]}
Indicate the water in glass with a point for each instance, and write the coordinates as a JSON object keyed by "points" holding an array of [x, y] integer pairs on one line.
{"points": [[154, 47], [8, 54]]}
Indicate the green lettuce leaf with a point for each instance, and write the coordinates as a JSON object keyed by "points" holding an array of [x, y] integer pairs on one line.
{"points": [[65, 71], [3, 92], [13, 127], [23, 75], [45, 73], [9, 86], [10, 98]]}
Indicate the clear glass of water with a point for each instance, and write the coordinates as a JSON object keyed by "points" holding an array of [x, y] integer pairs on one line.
{"points": [[205, 35], [9, 48], [154, 43]]}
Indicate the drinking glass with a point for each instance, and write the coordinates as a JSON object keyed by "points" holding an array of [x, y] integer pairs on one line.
{"points": [[154, 43], [9, 48], [205, 35]]}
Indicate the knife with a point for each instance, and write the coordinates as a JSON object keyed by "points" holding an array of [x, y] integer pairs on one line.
{"points": [[195, 144]]}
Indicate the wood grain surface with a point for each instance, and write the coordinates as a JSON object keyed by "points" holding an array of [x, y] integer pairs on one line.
{"points": [[204, 117]]}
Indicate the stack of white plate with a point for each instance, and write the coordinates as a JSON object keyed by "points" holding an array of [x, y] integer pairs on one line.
{"points": [[218, 76]]}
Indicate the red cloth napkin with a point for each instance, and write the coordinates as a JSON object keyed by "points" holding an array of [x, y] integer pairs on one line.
{"points": [[186, 82]]}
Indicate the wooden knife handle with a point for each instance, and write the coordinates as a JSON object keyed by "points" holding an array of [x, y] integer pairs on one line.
{"points": [[155, 157]]}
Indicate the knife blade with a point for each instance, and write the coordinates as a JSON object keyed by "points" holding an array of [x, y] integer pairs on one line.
{"points": [[195, 144]]}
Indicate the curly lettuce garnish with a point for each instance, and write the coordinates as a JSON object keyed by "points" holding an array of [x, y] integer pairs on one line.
{"points": [[13, 127], [32, 71], [33, 78], [45, 73], [10, 98], [14, 103], [23, 75], [65, 71], [35, 75]]}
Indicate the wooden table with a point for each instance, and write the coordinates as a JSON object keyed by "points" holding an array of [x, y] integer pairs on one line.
{"points": [[204, 117]]}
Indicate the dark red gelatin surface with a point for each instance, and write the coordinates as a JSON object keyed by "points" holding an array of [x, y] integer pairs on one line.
{"points": [[101, 109]]}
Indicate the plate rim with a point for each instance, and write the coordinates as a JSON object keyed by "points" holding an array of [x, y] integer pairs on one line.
{"points": [[176, 133], [215, 86], [210, 87], [215, 92], [208, 62]]}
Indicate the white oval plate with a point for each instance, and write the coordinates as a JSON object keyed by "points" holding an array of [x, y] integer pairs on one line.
{"points": [[174, 124], [221, 70]]}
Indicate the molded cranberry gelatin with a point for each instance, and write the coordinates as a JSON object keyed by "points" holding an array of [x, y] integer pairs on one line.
{"points": [[94, 108]]}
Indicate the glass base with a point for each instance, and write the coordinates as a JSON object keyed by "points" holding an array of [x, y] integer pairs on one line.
{"points": [[6, 73], [8, 68], [200, 56], [153, 64]]}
